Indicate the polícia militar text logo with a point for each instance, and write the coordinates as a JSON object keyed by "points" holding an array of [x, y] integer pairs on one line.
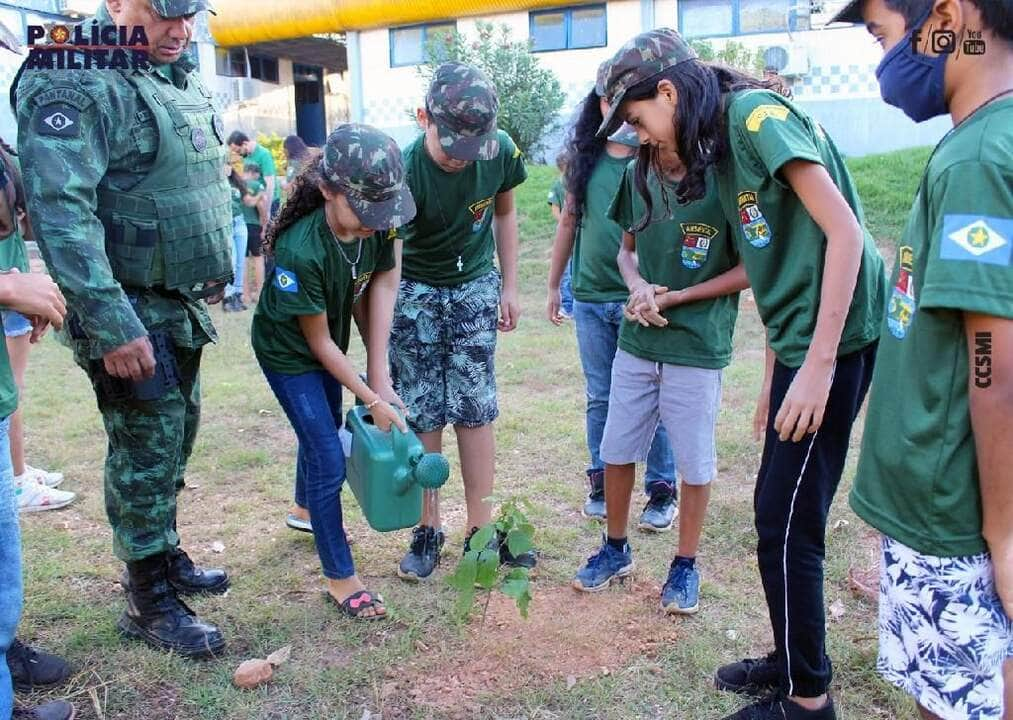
{"points": [[87, 47]]}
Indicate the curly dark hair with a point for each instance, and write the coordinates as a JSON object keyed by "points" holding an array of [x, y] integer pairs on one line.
{"points": [[583, 150], [304, 197], [701, 131]]}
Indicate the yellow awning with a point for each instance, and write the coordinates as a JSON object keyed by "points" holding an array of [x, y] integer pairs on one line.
{"points": [[242, 22]]}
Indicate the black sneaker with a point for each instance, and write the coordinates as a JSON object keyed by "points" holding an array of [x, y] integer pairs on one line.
{"points": [[750, 676], [778, 707], [34, 670], [498, 542], [423, 555]]}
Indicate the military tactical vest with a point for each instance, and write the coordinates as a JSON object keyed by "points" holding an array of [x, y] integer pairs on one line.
{"points": [[174, 228]]}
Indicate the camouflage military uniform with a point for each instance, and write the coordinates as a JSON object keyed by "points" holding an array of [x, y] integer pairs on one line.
{"points": [[125, 187]]}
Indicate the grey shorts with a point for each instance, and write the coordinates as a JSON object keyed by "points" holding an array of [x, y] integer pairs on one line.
{"points": [[684, 399]]}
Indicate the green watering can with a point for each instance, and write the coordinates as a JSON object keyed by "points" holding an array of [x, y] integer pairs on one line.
{"points": [[389, 471]]}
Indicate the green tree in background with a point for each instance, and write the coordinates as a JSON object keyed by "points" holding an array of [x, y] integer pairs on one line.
{"points": [[530, 95], [733, 54]]}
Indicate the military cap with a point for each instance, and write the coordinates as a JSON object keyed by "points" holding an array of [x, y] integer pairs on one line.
{"points": [[179, 8], [626, 135], [643, 57], [366, 165], [463, 104], [850, 13]]}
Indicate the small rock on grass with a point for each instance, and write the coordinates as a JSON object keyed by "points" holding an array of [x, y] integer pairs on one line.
{"points": [[256, 672]]}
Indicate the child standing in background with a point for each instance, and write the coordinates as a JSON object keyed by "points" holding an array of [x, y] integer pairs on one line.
{"points": [[256, 219], [592, 239], [557, 196]]}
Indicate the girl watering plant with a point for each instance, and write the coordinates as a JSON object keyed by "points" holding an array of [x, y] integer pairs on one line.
{"points": [[336, 256]]}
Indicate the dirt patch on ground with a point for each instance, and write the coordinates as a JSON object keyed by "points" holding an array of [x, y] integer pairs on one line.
{"points": [[568, 636]]}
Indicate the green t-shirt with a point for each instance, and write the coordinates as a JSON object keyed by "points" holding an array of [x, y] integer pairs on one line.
{"points": [[14, 254], [252, 214], [238, 209], [684, 245], [450, 241], [917, 475], [313, 275], [263, 157], [596, 276], [557, 193], [781, 245]]}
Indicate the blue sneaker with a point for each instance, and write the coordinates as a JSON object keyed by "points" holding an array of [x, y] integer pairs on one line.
{"points": [[681, 594], [659, 513], [603, 567]]}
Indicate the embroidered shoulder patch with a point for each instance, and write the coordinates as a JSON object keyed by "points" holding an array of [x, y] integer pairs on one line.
{"points": [[978, 238], [285, 280], [59, 119], [762, 112]]}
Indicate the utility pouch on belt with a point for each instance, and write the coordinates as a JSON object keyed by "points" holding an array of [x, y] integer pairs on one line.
{"points": [[166, 377]]}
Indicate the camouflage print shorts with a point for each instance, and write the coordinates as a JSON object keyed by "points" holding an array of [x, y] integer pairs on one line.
{"points": [[442, 352]]}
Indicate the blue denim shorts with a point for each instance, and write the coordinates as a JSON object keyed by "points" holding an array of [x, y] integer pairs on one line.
{"points": [[442, 352], [15, 324]]}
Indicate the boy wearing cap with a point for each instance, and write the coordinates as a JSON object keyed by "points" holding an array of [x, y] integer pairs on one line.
{"points": [[934, 473], [462, 172], [133, 216]]}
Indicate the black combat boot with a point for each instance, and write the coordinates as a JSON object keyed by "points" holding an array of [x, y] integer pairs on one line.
{"points": [[188, 579], [157, 616]]}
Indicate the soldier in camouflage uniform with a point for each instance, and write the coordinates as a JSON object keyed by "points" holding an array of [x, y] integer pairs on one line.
{"points": [[133, 213]]}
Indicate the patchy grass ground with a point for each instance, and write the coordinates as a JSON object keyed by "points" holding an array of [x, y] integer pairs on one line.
{"points": [[612, 655]]}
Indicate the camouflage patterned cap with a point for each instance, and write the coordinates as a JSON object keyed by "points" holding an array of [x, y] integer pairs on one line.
{"points": [[179, 8], [366, 165], [642, 57], [463, 104], [626, 135]]}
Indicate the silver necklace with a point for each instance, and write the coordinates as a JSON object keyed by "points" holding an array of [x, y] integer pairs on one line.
{"points": [[358, 254], [439, 206]]}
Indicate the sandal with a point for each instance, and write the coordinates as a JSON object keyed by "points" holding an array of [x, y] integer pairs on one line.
{"points": [[357, 603]]}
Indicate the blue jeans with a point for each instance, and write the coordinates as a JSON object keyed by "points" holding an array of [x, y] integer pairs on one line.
{"points": [[312, 402], [597, 339], [10, 567], [239, 235], [566, 289]]}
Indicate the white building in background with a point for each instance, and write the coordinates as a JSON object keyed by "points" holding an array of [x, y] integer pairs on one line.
{"points": [[274, 69], [832, 70]]}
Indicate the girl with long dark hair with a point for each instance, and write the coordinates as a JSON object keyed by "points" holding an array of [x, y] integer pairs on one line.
{"points": [[585, 232], [819, 286], [336, 256]]}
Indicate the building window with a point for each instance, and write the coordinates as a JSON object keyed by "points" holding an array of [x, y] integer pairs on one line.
{"points": [[408, 44], [568, 28], [716, 18], [264, 68], [230, 62]]}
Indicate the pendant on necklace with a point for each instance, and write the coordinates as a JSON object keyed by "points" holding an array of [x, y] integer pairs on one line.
{"points": [[460, 264], [355, 274]]}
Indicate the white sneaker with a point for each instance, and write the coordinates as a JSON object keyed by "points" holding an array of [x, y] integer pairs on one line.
{"points": [[34, 497], [43, 477]]}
